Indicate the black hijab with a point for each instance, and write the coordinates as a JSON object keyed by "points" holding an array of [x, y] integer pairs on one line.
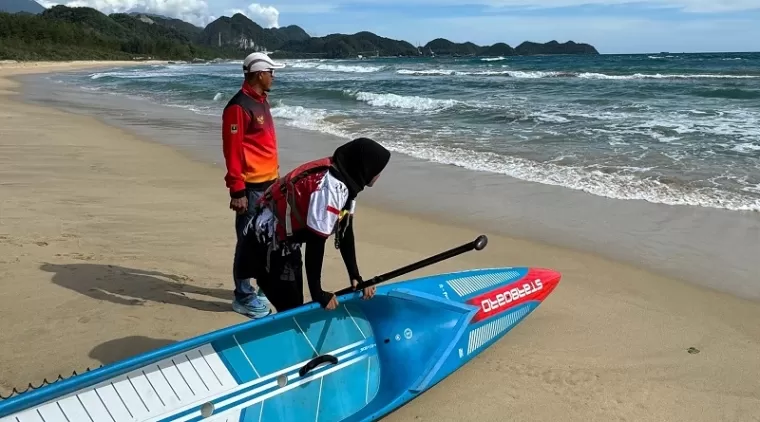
{"points": [[358, 162]]}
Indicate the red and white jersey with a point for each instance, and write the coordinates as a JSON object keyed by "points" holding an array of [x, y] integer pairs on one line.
{"points": [[316, 202], [325, 203]]}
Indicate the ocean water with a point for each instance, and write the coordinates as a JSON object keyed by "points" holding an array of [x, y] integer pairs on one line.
{"points": [[679, 129]]}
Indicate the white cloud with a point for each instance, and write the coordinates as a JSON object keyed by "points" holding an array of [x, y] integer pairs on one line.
{"points": [[193, 11], [307, 8], [266, 16]]}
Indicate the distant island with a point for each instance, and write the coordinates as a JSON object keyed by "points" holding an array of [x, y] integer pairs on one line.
{"points": [[83, 33]]}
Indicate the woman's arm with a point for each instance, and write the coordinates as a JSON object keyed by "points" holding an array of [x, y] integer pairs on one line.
{"points": [[315, 253], [348, 252]]}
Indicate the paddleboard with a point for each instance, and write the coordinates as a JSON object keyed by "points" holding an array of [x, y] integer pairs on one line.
{"points": [[356, 363]]}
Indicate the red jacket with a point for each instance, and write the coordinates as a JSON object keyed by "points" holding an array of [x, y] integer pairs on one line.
{"points": [[249, 142]]}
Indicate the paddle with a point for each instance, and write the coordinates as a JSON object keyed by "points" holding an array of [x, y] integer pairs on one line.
{"points": [[477, 244]]}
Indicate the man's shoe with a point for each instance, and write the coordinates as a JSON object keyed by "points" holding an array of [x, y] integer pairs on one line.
{"points": [[252, 309], [260, 295]]}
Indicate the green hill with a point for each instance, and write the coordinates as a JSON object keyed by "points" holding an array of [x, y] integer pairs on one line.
{"points": [[69, 33]]}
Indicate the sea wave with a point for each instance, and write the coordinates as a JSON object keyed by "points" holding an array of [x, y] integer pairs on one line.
{"points": [[134, 75], [391, 100], [336, 67], [534, 74], [309, 119], [580, 117], [454, 72], [621, 182]]}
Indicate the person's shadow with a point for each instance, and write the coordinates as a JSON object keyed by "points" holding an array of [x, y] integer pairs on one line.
{"points": [[130, 286], [127, 347]]}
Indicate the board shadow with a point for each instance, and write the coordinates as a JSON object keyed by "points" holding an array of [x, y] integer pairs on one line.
{"points": [[131, 286]]}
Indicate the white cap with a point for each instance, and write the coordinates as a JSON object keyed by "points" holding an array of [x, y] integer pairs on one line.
{"points": [[257, 62]]}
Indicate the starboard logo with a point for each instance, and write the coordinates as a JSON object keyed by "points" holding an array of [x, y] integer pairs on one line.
{"points": [[493, 303], [363, 349]]}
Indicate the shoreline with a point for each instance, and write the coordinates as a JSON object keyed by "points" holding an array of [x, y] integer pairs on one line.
{"points": [[114, 244], [713, 248]]}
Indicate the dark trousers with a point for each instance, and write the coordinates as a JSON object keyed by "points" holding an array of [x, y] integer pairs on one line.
{"points": [[243, 289], [279, 273], [282, 283]]}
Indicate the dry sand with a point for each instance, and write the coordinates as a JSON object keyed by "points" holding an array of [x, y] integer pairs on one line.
{"points": [[112, 245]]}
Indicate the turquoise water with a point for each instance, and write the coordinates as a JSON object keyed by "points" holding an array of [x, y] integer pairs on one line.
{"points": [[667, 128]]}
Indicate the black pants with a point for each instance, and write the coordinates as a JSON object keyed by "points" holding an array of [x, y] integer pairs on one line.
{"points": [[281, 280], [243, 289]]}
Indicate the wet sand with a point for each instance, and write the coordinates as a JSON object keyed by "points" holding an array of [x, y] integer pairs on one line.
{"points": [[114, 242]]}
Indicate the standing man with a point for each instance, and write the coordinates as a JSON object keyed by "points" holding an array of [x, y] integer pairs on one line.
{"points": [[250, 152]]}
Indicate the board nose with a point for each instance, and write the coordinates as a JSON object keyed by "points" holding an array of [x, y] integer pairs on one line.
{"points": [[534, 286], [548, 278]]}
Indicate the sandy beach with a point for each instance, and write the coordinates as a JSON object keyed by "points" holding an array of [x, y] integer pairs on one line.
{"points": [[112, 244]]}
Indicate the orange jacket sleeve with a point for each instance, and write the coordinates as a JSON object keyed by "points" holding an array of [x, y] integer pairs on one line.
{"points": [[234, 121]]}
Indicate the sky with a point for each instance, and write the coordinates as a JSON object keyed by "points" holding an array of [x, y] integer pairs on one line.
{"points": [[612, 26]]}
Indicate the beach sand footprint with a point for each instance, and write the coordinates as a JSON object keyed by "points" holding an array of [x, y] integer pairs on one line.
{"points": [[132, 286]]}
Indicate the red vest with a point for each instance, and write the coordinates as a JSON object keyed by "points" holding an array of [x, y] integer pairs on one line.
{"points": [[289, 196]]}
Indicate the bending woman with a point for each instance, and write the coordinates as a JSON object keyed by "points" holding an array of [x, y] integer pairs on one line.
{"points": [[307, 206]]}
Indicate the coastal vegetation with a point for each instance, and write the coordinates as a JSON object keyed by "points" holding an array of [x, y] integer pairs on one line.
{"points": [[83, 33]]}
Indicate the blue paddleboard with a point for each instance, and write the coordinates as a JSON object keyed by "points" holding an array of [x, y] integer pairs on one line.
{"points": [[356, 363]]}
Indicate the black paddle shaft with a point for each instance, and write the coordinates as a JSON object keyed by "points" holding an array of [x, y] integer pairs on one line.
{"points": [[477, 244]]}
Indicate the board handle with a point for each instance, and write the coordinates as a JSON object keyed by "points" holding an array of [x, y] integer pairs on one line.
{"points": [[316, 362]]}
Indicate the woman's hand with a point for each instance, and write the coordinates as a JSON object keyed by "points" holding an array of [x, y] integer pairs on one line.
{"points": [[368, 292], [332, 304]]}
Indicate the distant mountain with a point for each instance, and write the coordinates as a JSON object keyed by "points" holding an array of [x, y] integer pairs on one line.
{"points": [[15, 6], [344, 46], [239, 32], [290, 33], [553, 47], [444, 47], [190, 30], [498, 50], [84, 33]]}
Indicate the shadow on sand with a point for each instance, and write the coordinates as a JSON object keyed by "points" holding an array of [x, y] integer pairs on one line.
{"points": [[127, 347], [130, 286]]}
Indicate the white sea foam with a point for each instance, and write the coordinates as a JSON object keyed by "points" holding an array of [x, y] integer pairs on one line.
{"points": [[527, 74], [336, 67], [403, 102], [746, 148], [454, 72], [592, 75], [139, 74], [623, 185], [309, 119]]}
